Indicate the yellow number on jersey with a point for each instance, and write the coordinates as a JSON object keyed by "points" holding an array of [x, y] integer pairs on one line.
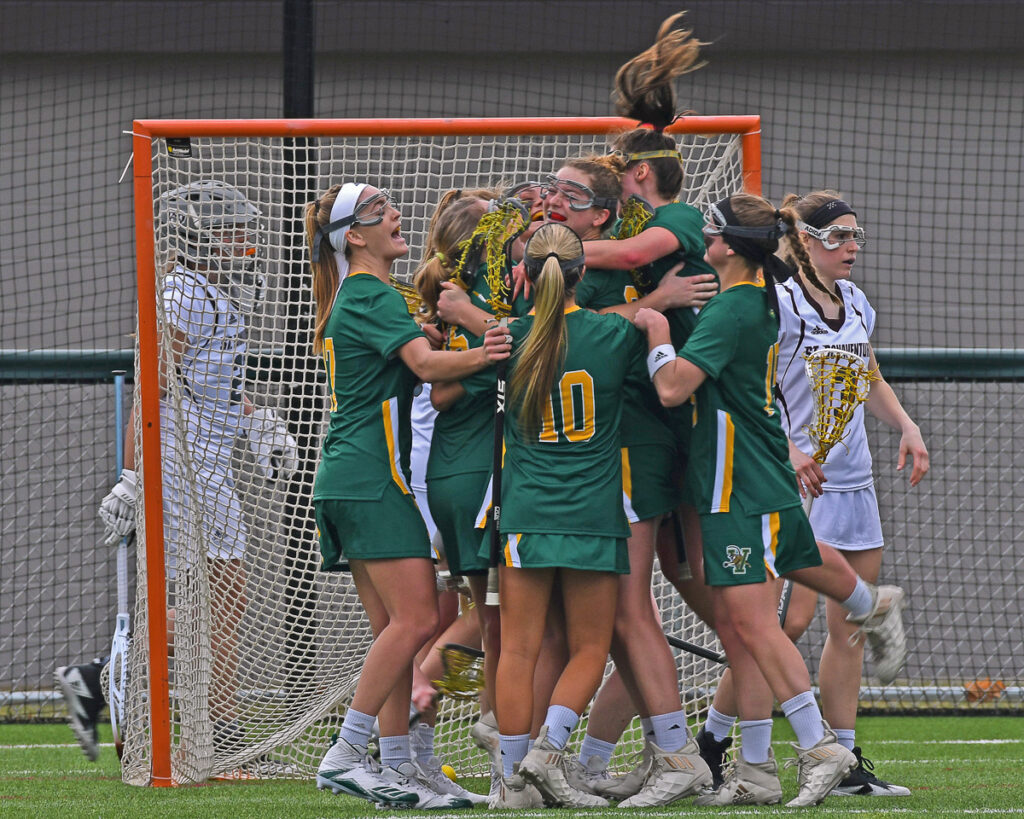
{"points": [[575, 388], [771, 371], [329, 366], [457, 341], [630, 293]]}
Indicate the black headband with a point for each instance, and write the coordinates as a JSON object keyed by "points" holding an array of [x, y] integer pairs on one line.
{"points": [[829, 212], [534, 265], [756, 243], [325, 231]]}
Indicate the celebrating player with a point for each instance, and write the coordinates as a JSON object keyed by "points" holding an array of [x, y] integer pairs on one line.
{"points": [[214, 234], [845, 512], [752, 525], [374, 353]]}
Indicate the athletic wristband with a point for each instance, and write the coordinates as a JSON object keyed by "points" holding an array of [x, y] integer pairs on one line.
{"points": [[659, 357]]}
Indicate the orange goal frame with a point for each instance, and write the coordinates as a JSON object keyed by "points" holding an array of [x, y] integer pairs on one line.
{"points": [[143, 133]]}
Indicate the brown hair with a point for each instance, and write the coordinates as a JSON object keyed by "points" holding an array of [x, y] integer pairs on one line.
{"points": [[325, 271], [605, 175], [454, 219]]}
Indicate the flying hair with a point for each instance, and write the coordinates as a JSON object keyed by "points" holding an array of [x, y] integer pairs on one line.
{"points": [[644, 86], [325, 270]]}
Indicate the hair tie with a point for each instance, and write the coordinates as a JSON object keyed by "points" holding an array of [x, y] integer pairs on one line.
{"points": [[458, 193], [441, 257], [554, 255]]}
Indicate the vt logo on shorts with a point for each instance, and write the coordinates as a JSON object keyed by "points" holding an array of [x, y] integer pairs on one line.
{"points": [[738, 559]]}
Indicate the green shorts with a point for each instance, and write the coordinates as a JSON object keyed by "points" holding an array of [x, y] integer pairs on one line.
{"points": [[455, 503], [650, 481], [585, 552], [740, 549], [370, 530]]}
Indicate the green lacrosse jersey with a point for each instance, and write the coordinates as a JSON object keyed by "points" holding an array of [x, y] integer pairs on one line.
{"points": [[684, 222], [567, 477], [463, 435], [644, 420], [369, 436], [739, 456]]}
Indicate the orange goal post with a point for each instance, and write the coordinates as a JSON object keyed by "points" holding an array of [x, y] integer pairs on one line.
{"points": [[241, 667]]}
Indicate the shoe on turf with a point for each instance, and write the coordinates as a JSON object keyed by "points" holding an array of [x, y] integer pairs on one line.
{"points": [[883, 628], [861, 781], [80, 685], [713, 752], [747, 783], [513, 793], [430, 774], [629, 783], [673, 775], [544, 767], [583, 776], [485, 734], [820, 768], [346, 768], [405, 780]]}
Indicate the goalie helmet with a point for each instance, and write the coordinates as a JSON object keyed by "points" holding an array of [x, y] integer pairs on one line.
{"points": [[211, 227]]}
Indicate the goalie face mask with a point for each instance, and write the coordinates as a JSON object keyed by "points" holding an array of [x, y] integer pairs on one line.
{"points": [[210, 227]]}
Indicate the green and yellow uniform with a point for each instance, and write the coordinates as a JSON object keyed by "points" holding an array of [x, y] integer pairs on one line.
{"points": [[364, 507], [459, 467], [739, 474], [650, 462], [562, 485]]}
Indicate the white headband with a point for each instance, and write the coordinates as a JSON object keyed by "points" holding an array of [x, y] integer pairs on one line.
{"points": [[344, 205]]}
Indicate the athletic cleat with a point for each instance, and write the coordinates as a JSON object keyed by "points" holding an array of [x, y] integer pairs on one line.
{"points": [[495, 782], [713, 752], [883, 628], [820, 768], [673, 775], [403, 782], [485, 735], [747, 783], [626, 785], [430, 774], [514, 793], [544, 767], [861, 781], [583, 777], [347, 769], [80, 685]]}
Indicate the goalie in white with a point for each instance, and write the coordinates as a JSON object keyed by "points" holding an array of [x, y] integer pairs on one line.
{"points": [[211, 233]]}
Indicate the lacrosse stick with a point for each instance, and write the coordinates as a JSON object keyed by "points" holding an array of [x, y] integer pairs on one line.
{"points": [[636, 213], [496, 464], [122, 638], [840, 382], [463, 676]]}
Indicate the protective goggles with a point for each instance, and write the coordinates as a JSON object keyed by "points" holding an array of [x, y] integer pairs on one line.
{"points": [[578, 196], [834, 237], [372, 211], [718, 225]]}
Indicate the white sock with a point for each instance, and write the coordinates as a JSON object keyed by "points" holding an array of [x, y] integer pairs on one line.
{"points": [[356, 727], [560, 722], [592, 746], [847, 737], [719, 725], [804, 715], [395, 750], [513, 749], [755, 740], [670, 732], [859, 604], [421, 740]]}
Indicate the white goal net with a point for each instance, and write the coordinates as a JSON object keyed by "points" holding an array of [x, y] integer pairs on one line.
{"points": [[263, 647]]}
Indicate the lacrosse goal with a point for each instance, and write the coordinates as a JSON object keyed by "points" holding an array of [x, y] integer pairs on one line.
{"points": [[245, 673]]}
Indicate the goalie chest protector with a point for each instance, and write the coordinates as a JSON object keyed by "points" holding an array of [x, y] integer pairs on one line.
{"points": [[802, 330]]}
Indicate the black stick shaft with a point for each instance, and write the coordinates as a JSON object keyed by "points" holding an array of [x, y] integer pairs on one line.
{"points": [[499, 439]]}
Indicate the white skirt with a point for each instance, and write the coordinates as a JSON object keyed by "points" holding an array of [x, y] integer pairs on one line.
{"points": [[848, 519]]}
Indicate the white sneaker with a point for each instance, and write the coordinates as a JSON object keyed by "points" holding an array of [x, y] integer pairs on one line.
{"points": [[514, 793], [883, 628], [673, 775], [404, 780], [544, 767], [431, 775], [347, 769], [626, 785], [820, 768], [485, 734], [747, 783], [80, 685], [582, 777]]}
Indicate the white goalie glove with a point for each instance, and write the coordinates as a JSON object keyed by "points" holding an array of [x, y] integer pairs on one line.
{"points": [[117, 509], [273, 447]]}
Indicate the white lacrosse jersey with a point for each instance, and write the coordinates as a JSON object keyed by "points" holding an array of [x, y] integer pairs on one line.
{"points": [[803, 329], [213, 365]]}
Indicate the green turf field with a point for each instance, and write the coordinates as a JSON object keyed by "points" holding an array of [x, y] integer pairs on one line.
{"points": [[953, 765]]}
